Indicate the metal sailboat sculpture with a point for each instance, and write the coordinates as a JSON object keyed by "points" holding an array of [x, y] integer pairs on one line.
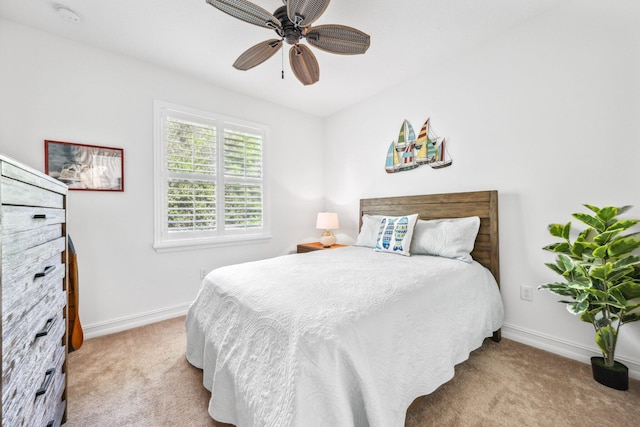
{"points": [[408, 152]]}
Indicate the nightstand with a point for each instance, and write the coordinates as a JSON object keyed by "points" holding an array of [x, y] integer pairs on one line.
{"points": [[316, 246]]}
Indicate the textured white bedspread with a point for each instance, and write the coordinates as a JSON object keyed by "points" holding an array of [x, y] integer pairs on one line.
{"points": [[343, 337]]}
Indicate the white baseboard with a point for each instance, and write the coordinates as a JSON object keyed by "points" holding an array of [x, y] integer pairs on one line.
{"points": [[129, 322], [567, 349]]}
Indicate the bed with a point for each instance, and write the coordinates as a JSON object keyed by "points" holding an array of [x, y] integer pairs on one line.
{"points": [[350, 336]]}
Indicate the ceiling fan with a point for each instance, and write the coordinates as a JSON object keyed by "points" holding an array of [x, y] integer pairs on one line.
{"points": [[292, 22]]}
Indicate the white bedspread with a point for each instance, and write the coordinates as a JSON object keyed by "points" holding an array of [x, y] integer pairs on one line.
{"points": [[344, 337]]}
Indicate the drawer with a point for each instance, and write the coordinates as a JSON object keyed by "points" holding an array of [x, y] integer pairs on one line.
{"points": [[20, 218], [16, 243], [31, 176], [14, 192], [20, 295], [34, 335], [55, 410], [27, 405], [21, 272], [53, 404]]}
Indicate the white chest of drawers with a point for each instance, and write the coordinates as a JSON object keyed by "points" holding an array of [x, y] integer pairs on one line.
{"points": [[34, 296]]}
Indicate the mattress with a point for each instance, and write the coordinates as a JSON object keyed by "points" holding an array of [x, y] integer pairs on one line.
{"points": [[344, 337]]}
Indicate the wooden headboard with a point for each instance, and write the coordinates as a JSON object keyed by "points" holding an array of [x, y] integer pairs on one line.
{"points": [[483, 204]]}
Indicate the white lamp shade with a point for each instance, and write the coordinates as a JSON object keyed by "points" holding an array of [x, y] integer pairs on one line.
{"points": [[327, 221]]}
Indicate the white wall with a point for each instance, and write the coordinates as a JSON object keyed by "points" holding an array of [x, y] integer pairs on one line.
{"points": [[51, 88], [548, 116]]}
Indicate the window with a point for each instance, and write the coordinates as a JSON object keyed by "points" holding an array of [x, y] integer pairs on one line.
{"points": [[209, 180]]}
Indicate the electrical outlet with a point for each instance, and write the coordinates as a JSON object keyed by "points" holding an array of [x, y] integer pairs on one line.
{"points": [[526, 293], [203, 273]]}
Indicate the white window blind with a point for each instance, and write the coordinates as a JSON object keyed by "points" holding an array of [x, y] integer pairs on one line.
{"points": [[191, 172], [242, 180], [209, 179]]}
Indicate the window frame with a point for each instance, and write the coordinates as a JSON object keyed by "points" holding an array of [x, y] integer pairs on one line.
{"points": [[220, 237]]}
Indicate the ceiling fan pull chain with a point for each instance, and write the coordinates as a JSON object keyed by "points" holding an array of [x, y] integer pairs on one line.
{"points": [[282, 63]]}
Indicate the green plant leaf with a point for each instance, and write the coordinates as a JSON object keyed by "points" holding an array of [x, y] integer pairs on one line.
{"points": [[592, 208], [590, 221], [600, 251], [622, 224], [601, 271], [577, 307], [627, 261], [597, 293], [583, 297], [629, 289], [610, 303], [623, 246], [618, 273], [577, 249], [554, 268], [618, 296], [588, 316], [607, 213], [631, 317], [556, 230], [551, 247], [580, 283], [606, 339], [561, 247], [604, 238], [559, 288], [564, 263], [602, 322]]}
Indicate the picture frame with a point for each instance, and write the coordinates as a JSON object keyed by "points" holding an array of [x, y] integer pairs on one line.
{"points": [[85, 167]]}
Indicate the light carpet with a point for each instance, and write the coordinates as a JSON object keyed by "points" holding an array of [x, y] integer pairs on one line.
{"points": [[140, 378]]}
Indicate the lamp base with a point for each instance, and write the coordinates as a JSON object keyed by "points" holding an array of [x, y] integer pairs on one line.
{"points": [[327, 239]]}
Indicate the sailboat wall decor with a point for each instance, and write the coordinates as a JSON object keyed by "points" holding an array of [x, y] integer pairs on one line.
{"points": [[408, 152]]}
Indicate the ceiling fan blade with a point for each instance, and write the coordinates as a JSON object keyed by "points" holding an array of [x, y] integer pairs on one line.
{"points": [[307, 11], [338, 39], [304, 64], [257, 54], [248, 12]]}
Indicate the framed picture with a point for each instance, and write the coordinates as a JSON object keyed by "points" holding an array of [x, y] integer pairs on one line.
{"points": [[85, 167]]}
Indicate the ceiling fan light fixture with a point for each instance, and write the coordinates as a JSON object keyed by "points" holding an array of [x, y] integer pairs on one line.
{"points": [[292, 22]]}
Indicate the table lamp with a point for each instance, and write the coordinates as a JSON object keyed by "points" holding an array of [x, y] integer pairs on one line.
{"points": [[327, 221]]}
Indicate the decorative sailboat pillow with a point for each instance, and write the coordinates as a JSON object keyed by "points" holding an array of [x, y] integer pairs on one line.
{"points": [[395, 234]]}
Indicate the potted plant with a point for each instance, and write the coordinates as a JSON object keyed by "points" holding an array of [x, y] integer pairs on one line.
{"points": [[601, 272]]}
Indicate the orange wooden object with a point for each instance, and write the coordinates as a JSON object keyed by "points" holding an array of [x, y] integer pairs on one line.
{"points": [[76, 337]]}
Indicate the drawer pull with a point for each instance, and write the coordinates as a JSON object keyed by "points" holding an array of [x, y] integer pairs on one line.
{"points": [[48, 376], [48, 269], [40, 216], [47, 327]]}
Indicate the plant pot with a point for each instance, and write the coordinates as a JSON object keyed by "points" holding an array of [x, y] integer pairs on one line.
{"points": [[616, 377]]}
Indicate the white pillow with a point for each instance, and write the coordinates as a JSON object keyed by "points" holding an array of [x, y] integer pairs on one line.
{"points": [[395, 234], [369, 231], [450, 238]]}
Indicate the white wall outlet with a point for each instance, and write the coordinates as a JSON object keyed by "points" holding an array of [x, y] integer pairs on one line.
{"points": [[526, 293], [203, 273]]}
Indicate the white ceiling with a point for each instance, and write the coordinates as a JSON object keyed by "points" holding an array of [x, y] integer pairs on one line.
{"points": [[407, 37]]}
